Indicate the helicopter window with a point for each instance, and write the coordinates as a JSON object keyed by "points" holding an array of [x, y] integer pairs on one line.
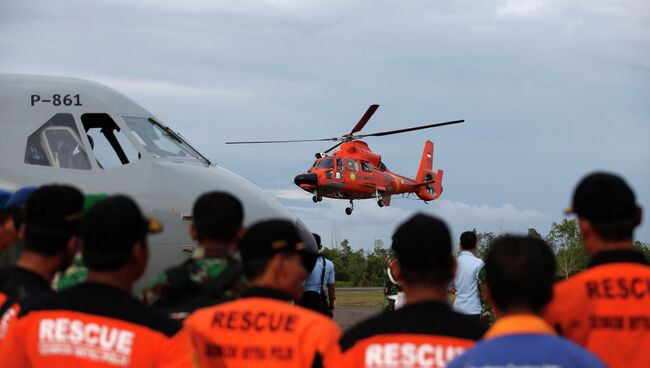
{"points": [[161, 141], [326, 163], [56, 143], [365, 166], [108, 142], [351, 165], [339, 165]]}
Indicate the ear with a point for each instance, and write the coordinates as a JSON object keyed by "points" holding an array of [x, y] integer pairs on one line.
{"points": [[454, 268], [140, 254], [193, 234], [639, 215], [21, 231], [73, 245], [395, 270]]}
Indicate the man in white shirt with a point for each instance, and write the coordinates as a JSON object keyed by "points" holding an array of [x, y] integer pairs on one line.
{"points": [[319, 292], [465, 283]]}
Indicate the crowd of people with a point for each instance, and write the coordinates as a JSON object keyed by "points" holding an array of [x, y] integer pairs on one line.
{"points": [[241, 299]]}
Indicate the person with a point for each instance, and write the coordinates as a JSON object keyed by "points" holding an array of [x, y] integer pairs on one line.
{"points": [[212, 274], [52, 214], [520, 272], [7, 233], [393, 295], [77, 273], [314, 296], [466, 281], [99, 322], [606, 308], [426, 332], [263, 328], [12, 215]]}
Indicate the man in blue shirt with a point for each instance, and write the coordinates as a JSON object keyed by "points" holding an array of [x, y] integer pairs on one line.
{"points": [[314, 296], [465, 282], [520, 272]]}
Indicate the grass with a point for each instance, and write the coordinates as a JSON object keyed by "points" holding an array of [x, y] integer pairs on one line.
{"points": [[365, 298]]}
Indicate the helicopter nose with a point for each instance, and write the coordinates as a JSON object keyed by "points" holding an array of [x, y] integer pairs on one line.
{"points": [[309, 179]]}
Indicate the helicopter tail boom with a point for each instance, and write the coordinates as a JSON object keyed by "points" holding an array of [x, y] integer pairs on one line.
{"points": [[430, 182]]}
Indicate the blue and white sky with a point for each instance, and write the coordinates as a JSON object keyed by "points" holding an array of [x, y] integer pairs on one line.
{"points": [[551, 90]]}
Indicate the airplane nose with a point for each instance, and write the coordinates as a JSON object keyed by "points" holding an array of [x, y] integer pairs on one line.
{"points": [[309, 179]]}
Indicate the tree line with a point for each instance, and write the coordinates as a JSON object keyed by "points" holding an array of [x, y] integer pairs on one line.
{"points": [[364, 268]]}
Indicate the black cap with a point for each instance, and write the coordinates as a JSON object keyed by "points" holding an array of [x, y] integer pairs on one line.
{"points": [[267, 238], [603, 197], [115, 224], [423, 242], [54, 210]]}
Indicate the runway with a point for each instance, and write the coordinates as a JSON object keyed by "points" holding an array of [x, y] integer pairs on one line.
{"points": [[347, 317]]}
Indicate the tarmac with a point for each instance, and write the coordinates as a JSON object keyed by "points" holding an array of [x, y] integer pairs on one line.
{"points": [[347, 317]]}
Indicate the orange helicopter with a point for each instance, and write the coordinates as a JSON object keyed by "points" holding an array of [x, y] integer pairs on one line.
{"points": [[355, 172]]}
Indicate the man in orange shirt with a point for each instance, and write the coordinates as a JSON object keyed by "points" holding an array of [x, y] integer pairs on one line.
{"points": [[262, 328], [99, 323], [606, 308], [426, 332]]}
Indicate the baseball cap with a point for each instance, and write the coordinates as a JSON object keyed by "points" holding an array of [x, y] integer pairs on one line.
{"points": [[115, 223], [266, 238], [603, 196], [4, 196], [50, 208], [18, 199], [422, 241]]}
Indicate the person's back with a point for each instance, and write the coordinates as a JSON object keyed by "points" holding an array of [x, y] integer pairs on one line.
{"points": [[520, 272], [212, 274], [467, 299], [262, 328], [99, 322], [606, 308], [319, 291], [426, 332]]}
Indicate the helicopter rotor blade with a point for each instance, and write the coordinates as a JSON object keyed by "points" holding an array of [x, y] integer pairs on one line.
{"points": [[380, 134], [364, 119], [336, 145], [290, 141]]}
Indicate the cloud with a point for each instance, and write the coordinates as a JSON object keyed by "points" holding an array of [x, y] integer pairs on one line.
{"points": [[291, 194], [520, 8]]}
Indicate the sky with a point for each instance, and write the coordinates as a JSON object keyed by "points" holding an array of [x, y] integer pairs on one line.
{"points": [[550, 90]]}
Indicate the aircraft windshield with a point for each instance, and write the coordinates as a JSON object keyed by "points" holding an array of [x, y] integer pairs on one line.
{"points": [[160, 141], [326, 163]]}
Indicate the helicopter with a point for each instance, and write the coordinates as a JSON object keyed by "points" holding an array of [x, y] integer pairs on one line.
{"points": [[355, 172]]}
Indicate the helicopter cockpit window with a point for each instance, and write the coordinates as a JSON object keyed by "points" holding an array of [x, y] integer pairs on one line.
{"points": [[160, 141], [56, 143], [325, 163], [109, 144], [365, 166], [351, 165]]}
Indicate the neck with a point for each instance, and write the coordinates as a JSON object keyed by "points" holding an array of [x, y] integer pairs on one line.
{"points": [[516, 311], [45, 266], [217, 246], [115, 279], [416, 293], [599, 245]]}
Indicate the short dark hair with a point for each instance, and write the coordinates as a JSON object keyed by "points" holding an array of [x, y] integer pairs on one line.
{"points": [[468, 240], [52, 214], [217, 216], [317, 237], [109, 230], [422, 245], [520, 271]]}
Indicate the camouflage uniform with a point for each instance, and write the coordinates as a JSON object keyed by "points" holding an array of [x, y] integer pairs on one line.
{"points": [[208, 277], [487, 314], [73, 275]]}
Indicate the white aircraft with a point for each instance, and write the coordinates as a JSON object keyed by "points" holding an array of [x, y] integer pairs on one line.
{"points": [[67, 130]]}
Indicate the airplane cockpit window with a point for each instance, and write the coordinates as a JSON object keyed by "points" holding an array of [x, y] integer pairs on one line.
{"points": [[325, 163], [351, 165], [365, 166], [160, 141], [109, 144], [56, 143]]}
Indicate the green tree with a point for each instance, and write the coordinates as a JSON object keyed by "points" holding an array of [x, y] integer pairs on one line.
{"points": [[565, 241], [533, 233], [483, 240], [643, 248]]}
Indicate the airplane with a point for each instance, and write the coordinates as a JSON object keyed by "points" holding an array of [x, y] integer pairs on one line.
{"points": [[355, 172], [78, 132]]}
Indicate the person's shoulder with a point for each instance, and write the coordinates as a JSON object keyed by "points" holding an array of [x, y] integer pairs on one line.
{"points": [[575, 352], [365, 329], [328, 262]]}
